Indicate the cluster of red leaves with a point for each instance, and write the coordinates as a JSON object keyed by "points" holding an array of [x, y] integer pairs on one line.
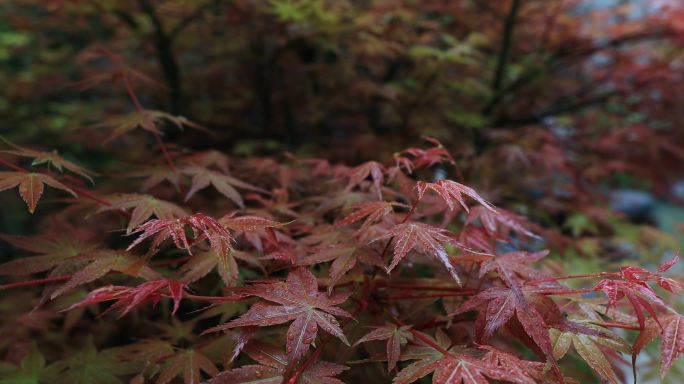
{"points": [[364, 233]]}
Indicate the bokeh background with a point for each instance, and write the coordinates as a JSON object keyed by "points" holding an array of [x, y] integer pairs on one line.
{"points": [[569, 111]]}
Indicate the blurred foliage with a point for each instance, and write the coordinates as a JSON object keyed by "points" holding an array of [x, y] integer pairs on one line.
{"points": [[548, 105]]}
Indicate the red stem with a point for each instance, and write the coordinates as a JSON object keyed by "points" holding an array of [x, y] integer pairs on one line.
{"points": [[165, 152], [419, 287], [410, 212], [157, 137], [618, 325], [408, 216], [27, 283], [13, 166], [568, 292], [215, 298], [419, 335], [599, 274], [90, 195], [426, 340], [430, 296]]}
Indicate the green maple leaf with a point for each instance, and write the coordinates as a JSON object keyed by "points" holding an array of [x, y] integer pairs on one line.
{"points": [[31, 370], [89, 366]]}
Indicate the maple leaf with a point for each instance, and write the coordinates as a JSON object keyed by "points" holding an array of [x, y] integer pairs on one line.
{"points": [[225, 184], [49, 158], [31, 370], [372, 211], [104, 261], [344, 257], [150, 351], [148, 120], [89, 366], [497, 306], [248, 223], [161, 229], [452, 191], [143, 208], [204, 262], [207, 158], [31, 186], [189, 363], [589, 348], [669, 264], [424, 239], [358, 174], [395, 336], [511, 265], [499, 222], [52, 248], [512, 366], [298, 299], [671, 331], [477, 238], [155, 175], [127, 298], [279, 204], [272, 366], [117, 72], [258, 231], [639, 294], [459, 366], [422, 158], [641, 276]]}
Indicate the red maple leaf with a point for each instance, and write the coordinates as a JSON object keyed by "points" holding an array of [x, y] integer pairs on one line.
{"points": [[499, 222], [632, 283], [497, 306], [31, 186], [452, 191], [143, 208], [127, 298], [358, 174], [201, 225], [424, 239], [272, 366], [371, 211], [396, 337], [422, 158], [224, 184], [455, 364], [297, 299], [671, 331], [512, 265]]}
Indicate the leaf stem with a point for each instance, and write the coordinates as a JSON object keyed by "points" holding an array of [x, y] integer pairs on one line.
{"points": [[13, 166], [582, 276], [418, 287], [219, 299], [157, 137], [568, 292], [90, 195], [430, 296], [616, 325], [27, 283], [420, 335]]}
